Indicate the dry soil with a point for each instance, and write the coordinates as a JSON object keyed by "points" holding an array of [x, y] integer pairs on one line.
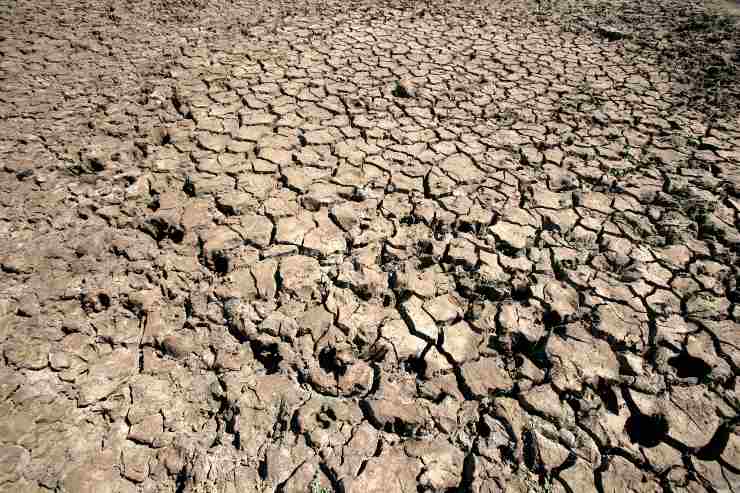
{"points": [[368, 247]]}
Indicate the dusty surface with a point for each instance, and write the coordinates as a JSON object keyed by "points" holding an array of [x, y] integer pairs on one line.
{"points": [[360, 247]]}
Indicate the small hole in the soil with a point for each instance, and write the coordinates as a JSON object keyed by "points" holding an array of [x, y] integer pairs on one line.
{"points": [[326, 418], [177, 235], [534, 351], [729, 384], [467, 227], [550, 226], [328, 361], [521, 293], [646, 430], [415, 365], [483, 429], [425, 247], [575, 405], [440, 230], [399, 428], [529, 450], [97, 165], [188, 306], [426, 262], [551, 319], [506, 249], [221, 263], [608, 396], [189, 187], [267, 355], [181, 480], [688, 366], [104, 300], [364, 294], [295, 423], [490, 292]]}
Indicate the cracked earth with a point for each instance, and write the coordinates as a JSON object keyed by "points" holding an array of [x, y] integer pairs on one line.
{"points": [[360, 247]]}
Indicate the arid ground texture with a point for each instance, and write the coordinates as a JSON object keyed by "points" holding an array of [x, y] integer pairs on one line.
{"points": [[369, 246]]}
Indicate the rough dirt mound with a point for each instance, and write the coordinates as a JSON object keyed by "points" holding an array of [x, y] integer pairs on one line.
{"points": [[698, 42], [418, 246]]}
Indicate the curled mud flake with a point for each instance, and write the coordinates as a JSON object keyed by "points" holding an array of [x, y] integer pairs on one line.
{"points": [[545, 454], [461, 342], [418, 320], [485, 377], [623, 325], [392, 409], [622, 475], [577, 357], [443, 463], [392, 467]]}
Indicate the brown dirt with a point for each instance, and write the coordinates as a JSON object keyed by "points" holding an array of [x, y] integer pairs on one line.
{"points": [[368, 247]]}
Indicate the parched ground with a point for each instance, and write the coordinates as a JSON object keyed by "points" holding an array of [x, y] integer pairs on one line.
{"points": [[369, 247]]}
